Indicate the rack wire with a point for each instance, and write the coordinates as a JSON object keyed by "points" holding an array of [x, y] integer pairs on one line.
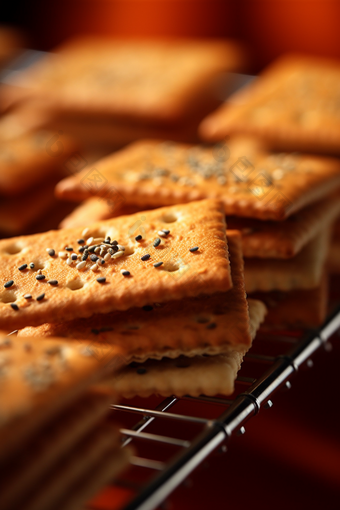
{"points": [[280, 358]]}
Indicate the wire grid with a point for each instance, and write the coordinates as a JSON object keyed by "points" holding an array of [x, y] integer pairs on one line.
{"points": [[167, 451]]}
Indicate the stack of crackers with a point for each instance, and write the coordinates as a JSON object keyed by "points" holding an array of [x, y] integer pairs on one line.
{"points": [[110, 92]]}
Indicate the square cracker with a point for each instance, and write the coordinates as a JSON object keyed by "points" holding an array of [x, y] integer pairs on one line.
{"points": [[285, 239], [304, 271], [297, 308], [249, 180], [27, 159], [292, 105], [159, 81], [79, 294], [40, 379], [217, 322]]}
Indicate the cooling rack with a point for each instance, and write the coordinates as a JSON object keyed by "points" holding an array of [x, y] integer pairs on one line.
{"points": [[172, 436]]}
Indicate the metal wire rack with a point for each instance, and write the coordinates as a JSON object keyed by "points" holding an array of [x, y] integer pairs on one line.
{"points": [[269, 365]]}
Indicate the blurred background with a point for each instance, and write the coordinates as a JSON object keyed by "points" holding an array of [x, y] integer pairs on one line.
{"points": [[270, 471], [268, 27]]}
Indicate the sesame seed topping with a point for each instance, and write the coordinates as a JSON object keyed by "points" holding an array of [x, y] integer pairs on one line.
{"points": [[22, 267], [166, 231], [81, 241], [107, 256], [40, 277], [63, 254], [125, 272], [195, 248], [85, 255], [92, 248], [28, 296], [147, 308], [39, 271], [53, 282], [85, 231], [145, 257], [94, 268], [161, 233], [120, 247], [97, 250], [101, 279], [81, 265], [9, 284], [138, 238], [114, 243], [74, 256], [156, 242], [32, 266], [68, 248], [50, 251], [117, 255], [158, 264], [98, 240], [102, 262], [94, 258], [108, 240], [40, 297], [14, 306], [69, 261], [89, 241], [15, 332]]}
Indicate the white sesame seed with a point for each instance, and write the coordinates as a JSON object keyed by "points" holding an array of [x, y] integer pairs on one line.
{"points": [[107, 256], [98, 240], [69, 262], [94, 268], [120, 247], [99, 262], [97, 250], [85, 232], [39, 271], [162, 234], [89, 241], [102, 252], [117, 255], [81, 265], [63, 254]]}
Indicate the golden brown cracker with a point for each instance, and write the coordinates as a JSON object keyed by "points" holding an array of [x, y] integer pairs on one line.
{"points": [[304, 271], [292, 105], [82, 288], [39, 379], [249, 180], [200, 324]]}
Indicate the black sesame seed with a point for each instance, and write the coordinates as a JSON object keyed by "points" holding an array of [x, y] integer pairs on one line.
{"points": [[40, 277], [126, 273], [74, 256], [85, 255], [51, 252], [101, 279], [22, 267], [212, 325], [92, 248], [138, 238], [81, 249], [94, 258], [40, 297], [147, 308], [69, 248], [102, 262], [114, 243], [141, 371], [166, 231], [158, 264], [145, 257], [108, 240], [32, 266], [157, 242], [15, 307], [9, 284], [53, 282], [28, 296], [80, 241], [195, 248]]}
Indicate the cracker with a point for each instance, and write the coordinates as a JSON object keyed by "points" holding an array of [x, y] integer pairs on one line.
{"points": [[285, 239], [27, 159], [98, 209], [51, 444], [296, 308], [39, 379], [293, 105], [158, 81], [304, 271], [190, 326], [79, 294], [249, 180], [207, 375], [70, 471]]}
